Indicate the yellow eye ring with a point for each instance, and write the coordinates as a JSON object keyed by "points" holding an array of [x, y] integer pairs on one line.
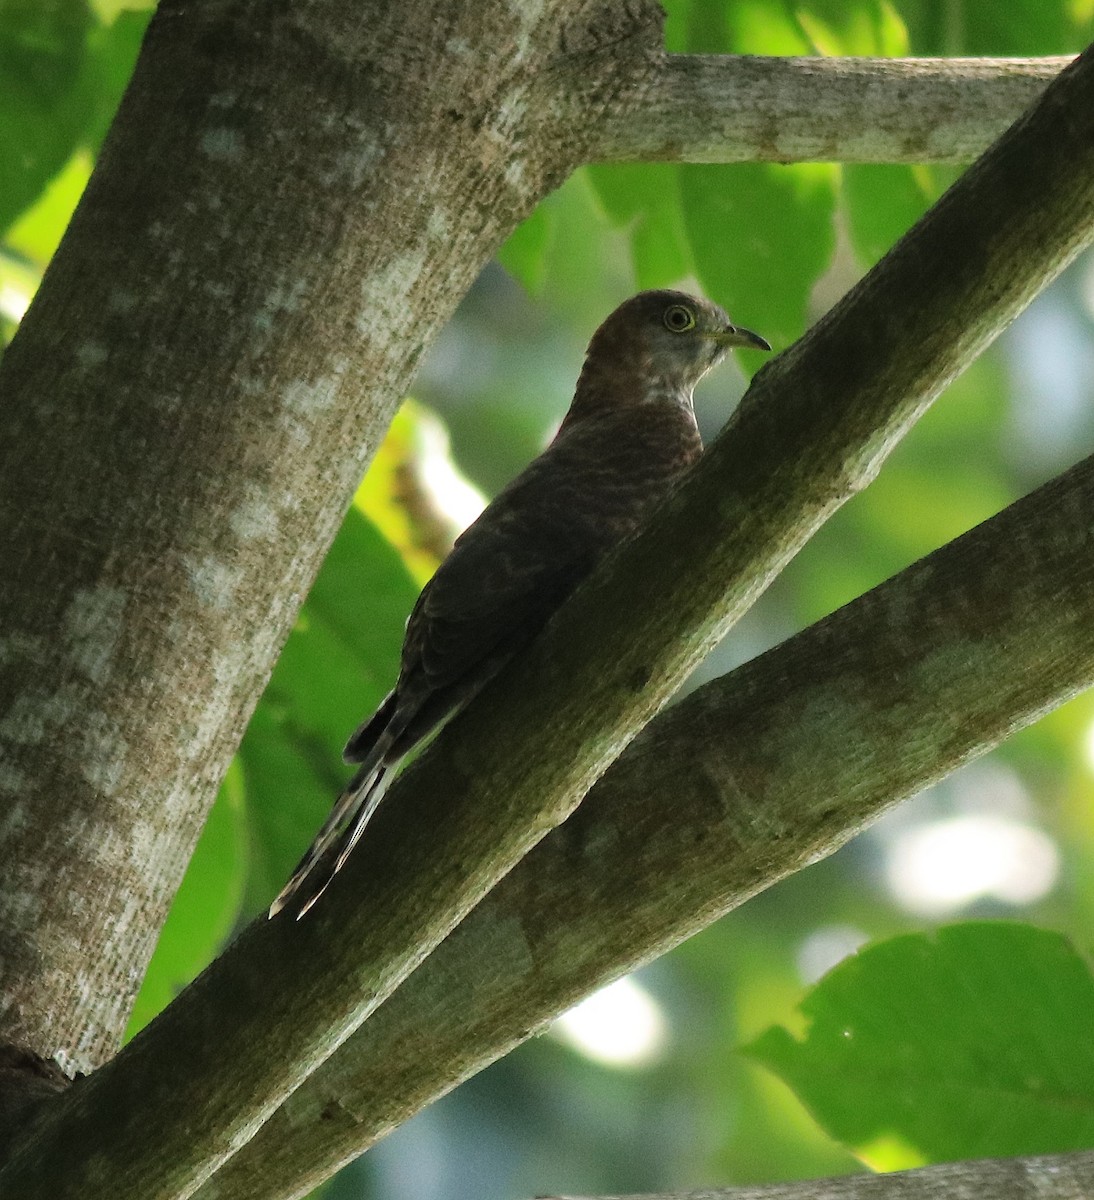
{"points": [[678, 319]]}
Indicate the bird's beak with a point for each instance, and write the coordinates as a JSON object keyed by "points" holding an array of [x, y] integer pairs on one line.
{"points": [[734, 335]]}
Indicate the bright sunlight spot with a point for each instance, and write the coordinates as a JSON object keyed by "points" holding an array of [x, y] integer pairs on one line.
{"points": [[1088, 746], [824, 948], [890, 1153], [622, 1025], [453, 493], [13, 303], [942, 866]]}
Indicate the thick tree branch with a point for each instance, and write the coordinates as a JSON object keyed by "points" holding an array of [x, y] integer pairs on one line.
{"points": [[722, 108], [742, 783], [814, 429], [1045, 1177]]}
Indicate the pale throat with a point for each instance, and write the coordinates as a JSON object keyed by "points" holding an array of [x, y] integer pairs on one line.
{"points": [[613, 384]]}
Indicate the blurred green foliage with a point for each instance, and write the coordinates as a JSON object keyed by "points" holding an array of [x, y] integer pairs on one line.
{"points": [[1000, 1005]]}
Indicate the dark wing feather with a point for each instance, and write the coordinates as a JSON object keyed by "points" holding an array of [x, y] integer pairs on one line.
{"points": [[541, 536]]}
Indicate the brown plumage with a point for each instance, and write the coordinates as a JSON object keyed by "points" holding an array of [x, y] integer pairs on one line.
{"points": [[629, 435]]}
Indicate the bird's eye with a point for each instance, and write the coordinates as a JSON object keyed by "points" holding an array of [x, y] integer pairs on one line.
{"points": [[678, 318]]}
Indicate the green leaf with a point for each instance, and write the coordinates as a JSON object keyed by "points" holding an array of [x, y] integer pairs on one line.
{"points": [[882, 202], [760, 235], [741, 27], [110, 10], [205, 908], [37, 233], [970, 1042], [587, 254], [43, 104], [339, 662], [756, 236], [871, 27], [112, 55], [524, 254], [1020, 27], [644, 199]]}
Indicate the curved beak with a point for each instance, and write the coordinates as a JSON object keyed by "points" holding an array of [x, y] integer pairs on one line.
{"points": [[734, 335]]}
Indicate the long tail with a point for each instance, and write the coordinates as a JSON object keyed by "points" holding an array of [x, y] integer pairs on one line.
{"points": [[332, 845]]}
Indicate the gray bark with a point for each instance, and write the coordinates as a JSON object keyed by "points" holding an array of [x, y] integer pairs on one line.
{"points": [[721, 108], [1045, 1177]]}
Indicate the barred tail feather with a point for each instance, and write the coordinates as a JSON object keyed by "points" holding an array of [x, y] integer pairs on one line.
{"points": [[340, 833], [363, 741]]}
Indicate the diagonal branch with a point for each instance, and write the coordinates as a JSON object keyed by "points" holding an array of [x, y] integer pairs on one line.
{"points": [[742, 783], [814, 430], [725, 108], [1043, 1177]]}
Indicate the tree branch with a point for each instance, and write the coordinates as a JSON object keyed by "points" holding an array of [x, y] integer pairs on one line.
{"points": [[723, 108], [1044, 1177], [744, 782], [814, 429]]}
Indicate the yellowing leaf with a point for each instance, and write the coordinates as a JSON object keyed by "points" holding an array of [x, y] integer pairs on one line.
{"points": [[414, 493]]}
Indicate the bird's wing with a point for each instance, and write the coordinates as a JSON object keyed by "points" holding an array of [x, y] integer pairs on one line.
{"points": [[539, 538], [509, 571], [493, 593]]}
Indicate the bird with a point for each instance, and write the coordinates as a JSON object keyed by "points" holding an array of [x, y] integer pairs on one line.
{"points": [[627, 438]]}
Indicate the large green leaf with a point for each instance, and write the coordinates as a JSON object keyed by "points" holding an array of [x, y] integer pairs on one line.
{"points": [[524, 254], [734, 27], [339, 661], [973, 1041], [585, 263], [882, 202], [43, 100], [38, 231], [643, 198], [761, 235], [870, 27], [1019, 27], [112, 54]]}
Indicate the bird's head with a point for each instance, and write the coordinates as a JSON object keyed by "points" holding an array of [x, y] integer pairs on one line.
{"points": [[659, 344]]}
